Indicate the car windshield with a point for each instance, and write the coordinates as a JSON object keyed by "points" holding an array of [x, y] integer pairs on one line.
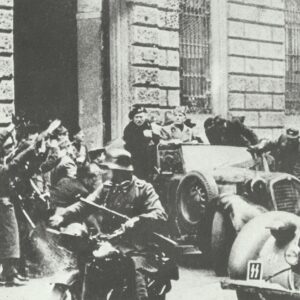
{"points": [[208, 157]]}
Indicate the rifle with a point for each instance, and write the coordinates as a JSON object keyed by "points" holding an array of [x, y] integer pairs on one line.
{"points": [[166, 243]]}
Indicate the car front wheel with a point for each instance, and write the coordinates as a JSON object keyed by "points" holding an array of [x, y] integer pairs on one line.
{"points": [[195, 191]]}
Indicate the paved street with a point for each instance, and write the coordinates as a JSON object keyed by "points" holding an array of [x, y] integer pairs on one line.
{"points": [[193, 285]]}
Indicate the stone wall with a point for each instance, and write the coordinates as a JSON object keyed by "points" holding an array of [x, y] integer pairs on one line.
{"points": [[6, 62], [154, 52], [256, 69], [144, 57]]}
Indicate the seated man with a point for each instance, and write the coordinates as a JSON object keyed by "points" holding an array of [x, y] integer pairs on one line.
{"points": [[178, 130], [127, 195]]}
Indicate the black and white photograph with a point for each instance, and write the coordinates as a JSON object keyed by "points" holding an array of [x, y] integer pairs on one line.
{"points": [[149, 149]]}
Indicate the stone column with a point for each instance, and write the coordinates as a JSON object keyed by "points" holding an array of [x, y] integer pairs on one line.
{"points": [[144, 56], [219, 57], [89, 71], [6, 62]]}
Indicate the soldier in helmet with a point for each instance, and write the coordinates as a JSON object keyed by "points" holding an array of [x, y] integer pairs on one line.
{"points": [[126, 194]]}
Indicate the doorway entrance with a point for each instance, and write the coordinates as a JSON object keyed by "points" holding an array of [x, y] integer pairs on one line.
{"points": [[45, 54]]}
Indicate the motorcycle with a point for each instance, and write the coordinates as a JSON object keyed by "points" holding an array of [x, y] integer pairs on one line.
{"points": [[105, 272]]}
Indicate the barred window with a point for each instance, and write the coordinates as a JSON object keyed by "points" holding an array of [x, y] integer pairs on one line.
{"points": [[292, 36], [194, 55]]}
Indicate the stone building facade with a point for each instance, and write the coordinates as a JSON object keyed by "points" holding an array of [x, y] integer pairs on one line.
{"points": [[256, 55], [129, 52], [6, 62]]}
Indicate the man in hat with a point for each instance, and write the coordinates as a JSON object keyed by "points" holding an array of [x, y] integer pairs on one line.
{"points": [[234, 132], [9, 232], [140, 140], [127, 195], [285, 150], [178, 130]]}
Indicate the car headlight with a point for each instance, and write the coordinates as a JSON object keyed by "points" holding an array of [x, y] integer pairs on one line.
{"points": [[292, 255]]}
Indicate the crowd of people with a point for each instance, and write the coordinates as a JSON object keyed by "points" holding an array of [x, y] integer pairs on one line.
{"points": [[61, 168]]}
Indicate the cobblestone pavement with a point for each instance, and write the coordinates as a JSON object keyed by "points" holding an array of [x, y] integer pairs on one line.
{"points": [[193, 285]]}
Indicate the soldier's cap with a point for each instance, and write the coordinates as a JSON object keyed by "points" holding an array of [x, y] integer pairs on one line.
{"points": [[136, 109], [292, 133], [5, 134], [117, 159]]}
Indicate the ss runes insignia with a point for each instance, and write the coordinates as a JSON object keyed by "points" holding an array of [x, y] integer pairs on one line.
{"points": [[254, 270]]}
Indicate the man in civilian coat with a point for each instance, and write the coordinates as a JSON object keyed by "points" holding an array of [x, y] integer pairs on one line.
{"points": [[140, 140], [9, 232]]}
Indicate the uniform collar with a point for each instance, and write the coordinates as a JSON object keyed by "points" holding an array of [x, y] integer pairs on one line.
{"points": [[123, 187]]}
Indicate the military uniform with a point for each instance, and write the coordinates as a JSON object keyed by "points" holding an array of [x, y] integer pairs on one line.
{"points": [[64, 193], [132, 197], [136, 198], [286, 159], [9, 232]]}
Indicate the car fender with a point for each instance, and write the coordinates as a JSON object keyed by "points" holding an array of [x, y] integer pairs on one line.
{"points": [[251, 240]]}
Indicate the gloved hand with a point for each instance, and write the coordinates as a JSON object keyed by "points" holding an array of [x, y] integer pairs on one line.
{"points": [[56, 220], [258, 148], [129, 224]]}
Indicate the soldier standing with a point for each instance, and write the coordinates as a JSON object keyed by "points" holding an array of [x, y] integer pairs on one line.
{"points": [[9, 231]]}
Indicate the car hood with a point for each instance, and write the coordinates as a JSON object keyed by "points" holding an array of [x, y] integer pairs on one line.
{"points": [[235, 175], [209, 157]]}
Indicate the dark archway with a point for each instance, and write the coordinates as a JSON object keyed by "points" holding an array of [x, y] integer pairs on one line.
{"points": [[45, 53]]}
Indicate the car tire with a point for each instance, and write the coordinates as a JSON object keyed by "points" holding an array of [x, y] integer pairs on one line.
{"points": [[222, 236], [195, 192]]}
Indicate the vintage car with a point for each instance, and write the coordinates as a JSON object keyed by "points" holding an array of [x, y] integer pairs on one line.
{"points": [[264, 262], [210, 192]]}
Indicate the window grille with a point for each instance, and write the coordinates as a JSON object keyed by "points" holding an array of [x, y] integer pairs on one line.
{"points": [[194, 55], [292, 37]]}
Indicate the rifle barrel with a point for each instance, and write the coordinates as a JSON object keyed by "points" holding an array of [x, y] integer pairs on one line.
{"points": [[105, 209]]}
